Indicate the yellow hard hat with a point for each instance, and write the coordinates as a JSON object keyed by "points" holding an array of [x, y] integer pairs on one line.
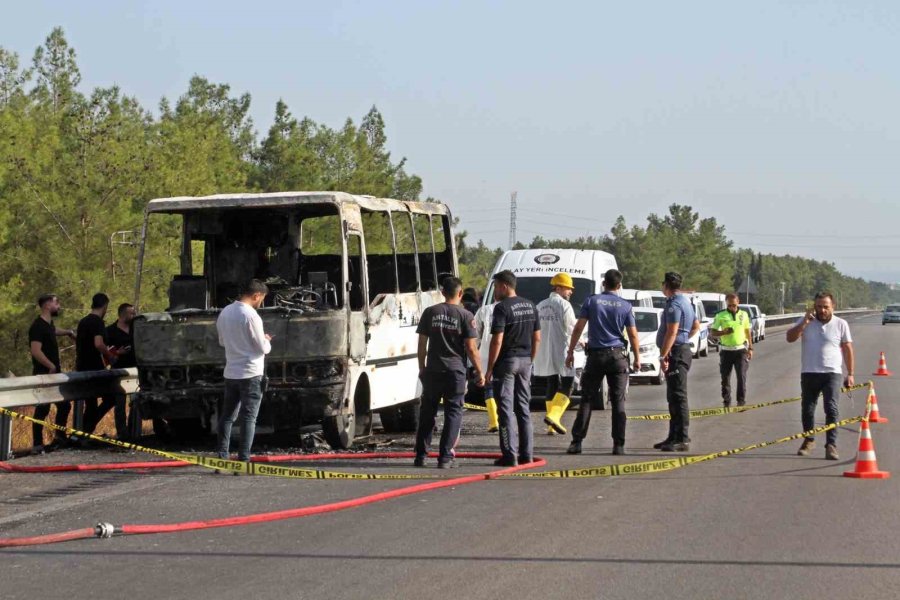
{"points": [[562, 280]]}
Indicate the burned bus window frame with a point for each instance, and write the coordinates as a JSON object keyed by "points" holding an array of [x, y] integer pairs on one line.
{"points": [[405, 283], [444, 257], [383, 271], [427, 261]]}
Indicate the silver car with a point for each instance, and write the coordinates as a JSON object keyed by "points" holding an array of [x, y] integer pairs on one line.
{"points": [[891, 314]]}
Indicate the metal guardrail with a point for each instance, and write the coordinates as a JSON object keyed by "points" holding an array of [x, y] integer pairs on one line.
{"points": [[776, 320], [46, 389]]}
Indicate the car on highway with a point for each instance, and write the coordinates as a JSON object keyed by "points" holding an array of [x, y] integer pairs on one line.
{"points": [[757, 321], [891, 314], [713, 302], [700, 340], [647, 321]]}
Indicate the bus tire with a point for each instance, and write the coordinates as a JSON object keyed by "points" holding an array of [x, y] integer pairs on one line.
{"points": [[339, 430], [401, 418]]}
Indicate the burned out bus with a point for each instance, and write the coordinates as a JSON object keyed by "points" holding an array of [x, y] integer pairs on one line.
{"points": [[349, 277]]}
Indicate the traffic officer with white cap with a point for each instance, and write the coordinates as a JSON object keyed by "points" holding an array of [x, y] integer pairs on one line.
{"points": [[557, 322]]}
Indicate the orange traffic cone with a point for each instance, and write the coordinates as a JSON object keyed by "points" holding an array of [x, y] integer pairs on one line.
{"points": [[882, 368], [874, 415], [866, 465]]}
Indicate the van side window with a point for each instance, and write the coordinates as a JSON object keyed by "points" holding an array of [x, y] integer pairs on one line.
{"points": [[408, 278], [380, 256], [355, 275], [425, 249]]}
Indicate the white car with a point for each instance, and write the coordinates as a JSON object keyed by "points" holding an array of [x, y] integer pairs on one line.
{"points": [[891, 314], [700, 341], [647, 321], [636, 297], [757, 320]]}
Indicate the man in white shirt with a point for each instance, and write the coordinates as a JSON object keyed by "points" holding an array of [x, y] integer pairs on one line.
{"points": [[246, 345], [557, 322], [826, 346]]}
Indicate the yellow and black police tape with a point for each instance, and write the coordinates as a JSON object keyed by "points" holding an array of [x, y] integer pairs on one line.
{"points": [[667, 464], [221, 464], [705, 412], [615, 470], [724, 410]]}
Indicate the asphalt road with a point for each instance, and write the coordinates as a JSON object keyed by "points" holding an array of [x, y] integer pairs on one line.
{"points": [[765, 524]]}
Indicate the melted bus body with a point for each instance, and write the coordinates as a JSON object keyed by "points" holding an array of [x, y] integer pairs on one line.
{"points": [[349, 277]]}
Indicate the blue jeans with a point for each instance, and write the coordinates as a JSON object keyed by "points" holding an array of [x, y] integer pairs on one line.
{"points": [[241, 396], [829, 385], [512, 391]]}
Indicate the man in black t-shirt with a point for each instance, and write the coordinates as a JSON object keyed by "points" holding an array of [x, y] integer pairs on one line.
{"points": [[92, 354], [516, 335], [446, 335], [120, 337], [45, 361]]}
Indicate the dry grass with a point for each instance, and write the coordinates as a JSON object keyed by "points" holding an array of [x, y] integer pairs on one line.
{"points": [[21, 430]]}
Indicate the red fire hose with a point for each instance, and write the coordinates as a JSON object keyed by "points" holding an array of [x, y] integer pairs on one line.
{"points": [[107, 530]]}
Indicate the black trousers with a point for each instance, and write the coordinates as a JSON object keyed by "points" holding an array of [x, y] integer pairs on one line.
{"points": [[451, 387], [41, 412], [677, 393], [94, 413], [610, 364], [559, 384], [739, 361]]}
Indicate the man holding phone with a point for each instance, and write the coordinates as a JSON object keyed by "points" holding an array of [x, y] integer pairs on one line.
{"points": [[241, 333], [732, 327], [825, 348]]}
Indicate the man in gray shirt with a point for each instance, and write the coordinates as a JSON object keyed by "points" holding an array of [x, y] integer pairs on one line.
{"points": [[826, 346]]}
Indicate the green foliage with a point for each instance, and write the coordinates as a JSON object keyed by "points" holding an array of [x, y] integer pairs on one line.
{"points": [[76, 171]]}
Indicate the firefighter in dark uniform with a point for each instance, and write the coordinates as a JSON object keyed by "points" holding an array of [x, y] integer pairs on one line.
{"points": [[446, 335], [677, 326], [606, 316], [732, 326]]}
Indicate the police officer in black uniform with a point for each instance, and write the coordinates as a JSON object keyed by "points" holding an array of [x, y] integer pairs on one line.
{"points": [[446, 335], [606, 315]]}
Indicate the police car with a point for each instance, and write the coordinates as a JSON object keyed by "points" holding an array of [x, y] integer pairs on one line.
{"points": [[647, 321]]}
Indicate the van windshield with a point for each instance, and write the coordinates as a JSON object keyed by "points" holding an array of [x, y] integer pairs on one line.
{"points": [[537, 289], [646, 321], [659, 301], [712, 307], [893, 309]]}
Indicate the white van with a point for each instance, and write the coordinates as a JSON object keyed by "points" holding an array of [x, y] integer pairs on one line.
{"points": [[636, 297], [700, 342], [534, 269], [713, 302]]}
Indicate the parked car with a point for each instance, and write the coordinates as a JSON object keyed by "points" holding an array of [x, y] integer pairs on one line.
{"points": [[713, 302], [757, 320], [700, 341], [891, 314], [647, 321]]}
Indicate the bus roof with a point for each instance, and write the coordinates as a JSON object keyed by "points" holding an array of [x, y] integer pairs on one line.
{"points": [[179, 204]]}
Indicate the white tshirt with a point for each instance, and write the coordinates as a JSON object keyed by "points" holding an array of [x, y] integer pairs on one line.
{"points": [[820, 345], [241, 333], [557, 322]]}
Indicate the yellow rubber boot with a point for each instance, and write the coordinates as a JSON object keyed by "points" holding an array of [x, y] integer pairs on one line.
{"points": [[549, 408], [493, 421], [554, 416]]}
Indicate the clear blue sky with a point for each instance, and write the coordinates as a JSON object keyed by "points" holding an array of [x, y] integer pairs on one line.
{"points": [[780, 119]]}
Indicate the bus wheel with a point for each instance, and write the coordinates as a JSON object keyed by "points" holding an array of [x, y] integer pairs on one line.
{"points": [[340, 429], [401, 418]]}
